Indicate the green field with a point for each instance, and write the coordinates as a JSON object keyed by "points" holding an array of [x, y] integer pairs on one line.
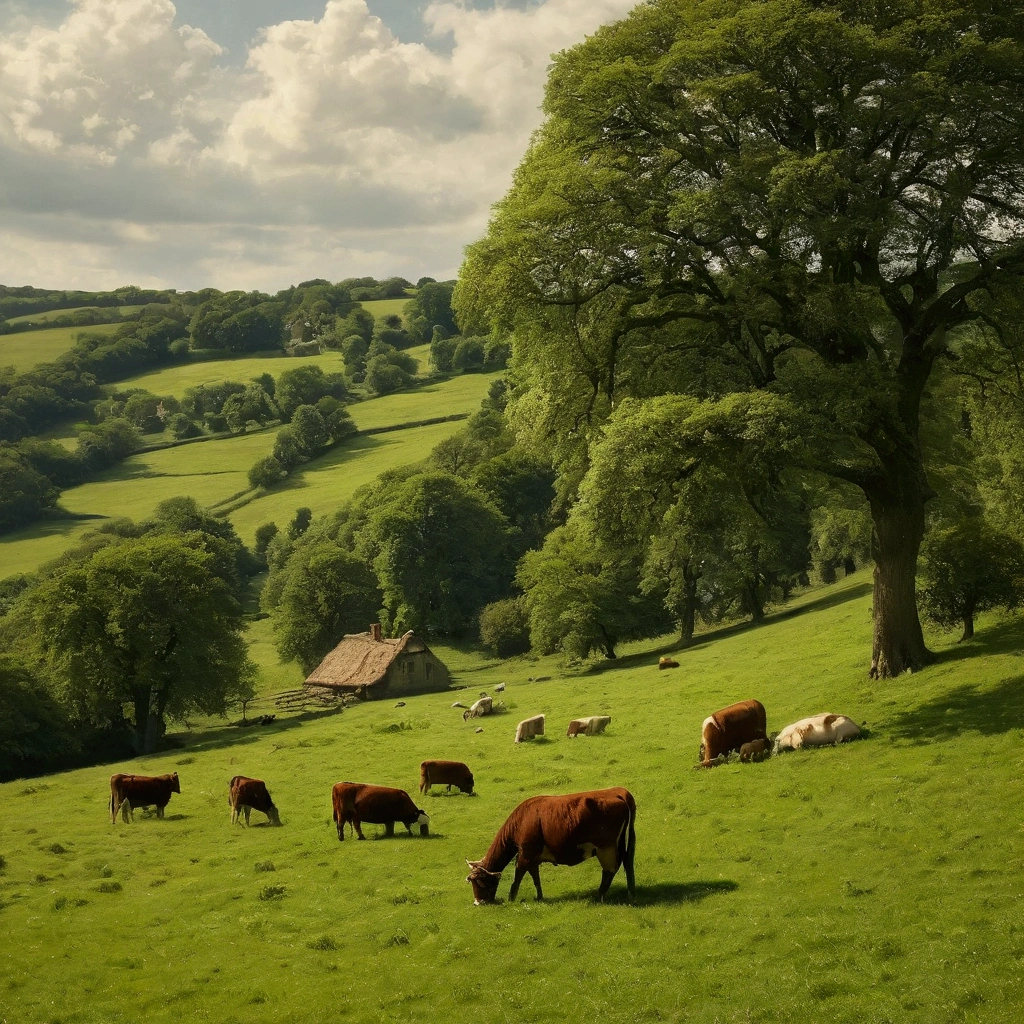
{"points": [[56, 314], [27, 349], [381, 308], [213, 471], [880, 881]]}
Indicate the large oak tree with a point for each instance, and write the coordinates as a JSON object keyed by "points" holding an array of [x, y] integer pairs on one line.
{"points": [[805, 197]]}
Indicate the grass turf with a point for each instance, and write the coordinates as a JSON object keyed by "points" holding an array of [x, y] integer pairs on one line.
{"points": [[381, 308], [879, 881], [56, 314], [29, 348]]}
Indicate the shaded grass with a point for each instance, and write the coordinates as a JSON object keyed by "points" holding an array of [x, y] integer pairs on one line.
{"points": [[878, 881], [29, 348]]}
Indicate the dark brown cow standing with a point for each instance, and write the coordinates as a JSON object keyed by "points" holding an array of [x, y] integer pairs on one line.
{"points": [[727, 730], [445, 773], [355, 803], [246, 794], [560, 830], [130, 791]]}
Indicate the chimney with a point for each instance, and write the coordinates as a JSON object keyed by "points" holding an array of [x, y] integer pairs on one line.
{"points": [[375, 630]]}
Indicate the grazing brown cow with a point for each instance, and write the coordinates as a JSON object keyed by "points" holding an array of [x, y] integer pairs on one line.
{"points": [[560, 830], [755, 750], [445, 773], [668, 663], [250, 794], [730, 728], [376, 805], [589, 726], [130, 791], [530, 727]]}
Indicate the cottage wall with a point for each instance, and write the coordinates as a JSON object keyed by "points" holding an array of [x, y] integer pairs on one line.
{"points": [[415, 672]]}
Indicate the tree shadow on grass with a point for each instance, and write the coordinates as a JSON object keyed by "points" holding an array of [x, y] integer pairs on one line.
{"points": [[657, 894], [967, 708], [233, 735], [1003, 638]]}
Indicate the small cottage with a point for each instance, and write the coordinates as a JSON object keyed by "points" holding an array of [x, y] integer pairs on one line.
{"points": [[371, 666]]}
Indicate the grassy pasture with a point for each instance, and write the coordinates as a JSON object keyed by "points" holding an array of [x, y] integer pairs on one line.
{"points": [[875, 882], [29, 348], [56, 314], [455, 395], [381, 308]]}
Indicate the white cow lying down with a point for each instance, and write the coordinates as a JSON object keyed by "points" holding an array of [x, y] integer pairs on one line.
{"points": [[817, 731]]}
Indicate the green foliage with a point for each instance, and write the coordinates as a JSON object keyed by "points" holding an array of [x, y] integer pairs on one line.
{"points": [[309, 430], [35, 733], [469, 355], [442, 352], [300, 523], [24, 493], [438, 548], [238, 322], [253, 405], [431, 307], [209, 399], [181, 426], [148, 624], [505, 627], [583, 597], [327, 593], [384, 375], [107, 443], [969, 568], [306, 385], [266, 472]]}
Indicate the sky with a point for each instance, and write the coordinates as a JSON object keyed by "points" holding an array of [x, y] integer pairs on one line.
{"points": [[257, 143]]}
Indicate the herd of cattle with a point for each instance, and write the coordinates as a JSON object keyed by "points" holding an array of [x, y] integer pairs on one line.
{"points": [[542, 829]]}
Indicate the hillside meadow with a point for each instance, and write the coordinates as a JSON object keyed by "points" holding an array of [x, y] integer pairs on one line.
{"points": [[56, 314], [29, 348], [879, 881], [214, 471]]}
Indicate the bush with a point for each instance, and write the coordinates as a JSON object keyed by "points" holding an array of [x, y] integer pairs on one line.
{"points": [[384, 377], [505, 627], [182, 427], [496, 355], [469, 355], [265, 473]]}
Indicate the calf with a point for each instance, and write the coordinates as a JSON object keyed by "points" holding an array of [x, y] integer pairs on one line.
{"points": [[130, 791], [445, 773], [817, 731], [730, 728], [250, 794], [530, 727], [755, 750], [588, 726], [378, 805], [667, 663], [560, 830], [484, 706]]}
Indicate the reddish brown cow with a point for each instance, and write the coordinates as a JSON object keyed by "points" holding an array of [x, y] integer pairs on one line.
{"points": [[130, 791], [445, 773], [560, 830], [730, 728], [250, 794], [377, 805]]}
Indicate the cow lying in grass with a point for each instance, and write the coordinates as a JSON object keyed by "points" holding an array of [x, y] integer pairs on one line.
{"points": [[560, 830], [817, 731], [245, 795], [378, 805], [588, 726], [484, 706]]}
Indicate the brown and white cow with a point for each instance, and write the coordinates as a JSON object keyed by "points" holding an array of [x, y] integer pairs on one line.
{"points": [[484, 706], [591, 726], [666, 662], [130, 791], [355, 803], [817, 731], [530, 727], [560, 830], [730, 728], [445, 773], [245, 795]]}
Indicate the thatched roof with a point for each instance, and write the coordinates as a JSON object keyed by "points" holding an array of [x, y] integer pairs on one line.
{"points": [[361, 660]]}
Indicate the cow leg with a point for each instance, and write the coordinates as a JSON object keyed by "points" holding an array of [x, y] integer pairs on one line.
{"points": [[341, 828], [389, 828], [535, 875], [234, 814], [606, 881], [358, 827], [159, 810], [247, 810], [126, 811], [521, 870]]}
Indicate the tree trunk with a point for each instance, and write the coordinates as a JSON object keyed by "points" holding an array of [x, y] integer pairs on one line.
{"points": [[752, 603], [849, 565], [968, 622], [149, 721], [689, 610], [898, 643]]}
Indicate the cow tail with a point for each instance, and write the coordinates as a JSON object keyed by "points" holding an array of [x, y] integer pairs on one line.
{"points": [[627, 851], [113, 818]]}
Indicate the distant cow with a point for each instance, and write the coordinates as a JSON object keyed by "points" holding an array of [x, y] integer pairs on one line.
{"points": [[245, 795], [377, 805], [445, 773], [817, 731], [755, 750], [130, 791], [530, 727], [588, 726], [730, 728], [500, 688], [668, 663], [484, 706], [560, 830]]}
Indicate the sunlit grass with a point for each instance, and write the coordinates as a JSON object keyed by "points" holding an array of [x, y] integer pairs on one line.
{"points": [[29, 348]]}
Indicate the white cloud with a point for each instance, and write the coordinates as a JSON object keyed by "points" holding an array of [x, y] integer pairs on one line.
{"points": [[336, 150]]}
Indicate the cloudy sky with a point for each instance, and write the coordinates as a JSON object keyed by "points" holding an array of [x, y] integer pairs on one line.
{"points": [[257, 143]]}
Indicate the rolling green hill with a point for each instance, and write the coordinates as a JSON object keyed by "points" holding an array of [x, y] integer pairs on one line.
{"points": [[381, 308], [28, 348], [56, 314], [874, 882]]}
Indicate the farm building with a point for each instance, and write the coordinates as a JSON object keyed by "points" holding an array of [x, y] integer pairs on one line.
{"points": [[371, 666]]}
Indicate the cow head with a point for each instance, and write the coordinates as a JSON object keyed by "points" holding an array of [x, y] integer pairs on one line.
{"points": [[273, 815], [467, 784], [175, 785], [424, 822], [484, 882]]}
